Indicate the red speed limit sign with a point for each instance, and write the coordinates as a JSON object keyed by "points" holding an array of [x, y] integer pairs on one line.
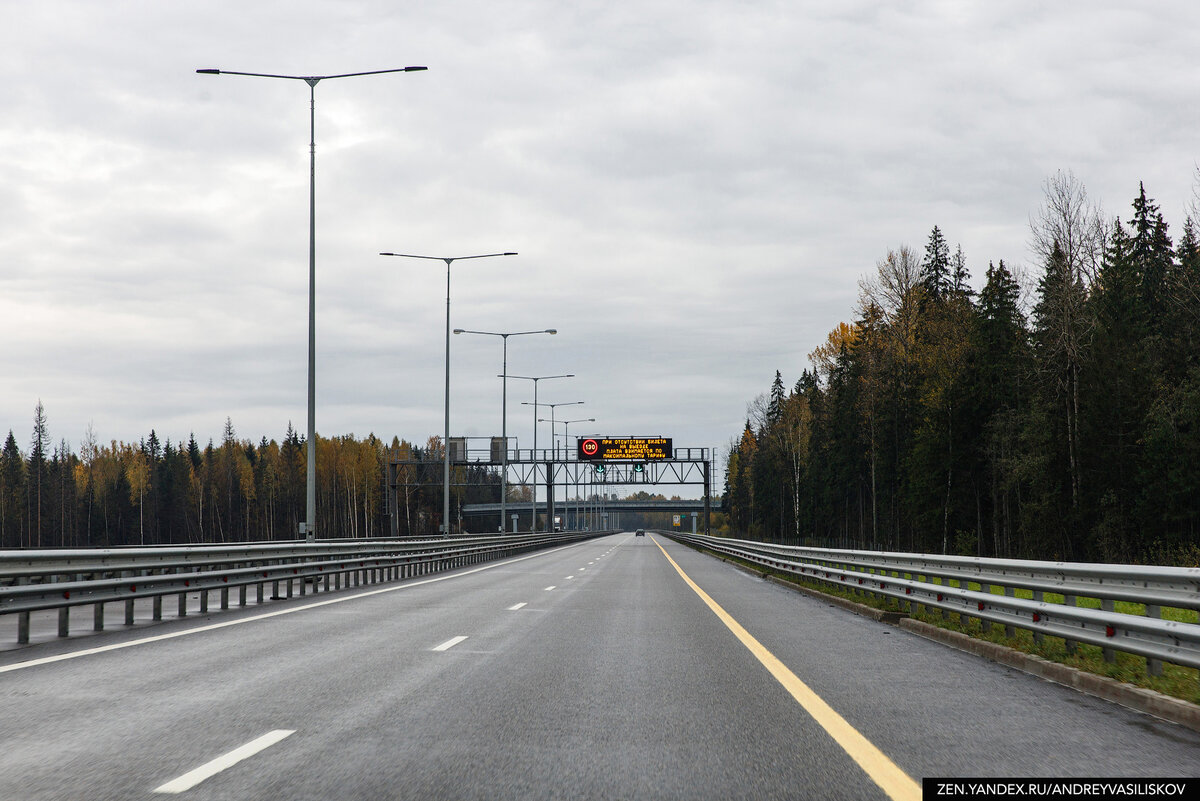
{"points": [[589, 447]]}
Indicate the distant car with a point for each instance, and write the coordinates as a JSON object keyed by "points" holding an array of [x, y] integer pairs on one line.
{"points": [[641, 532]]}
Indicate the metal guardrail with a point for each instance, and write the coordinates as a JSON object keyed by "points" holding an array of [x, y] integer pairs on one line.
{"points": [[943, 582], [63, 579]]}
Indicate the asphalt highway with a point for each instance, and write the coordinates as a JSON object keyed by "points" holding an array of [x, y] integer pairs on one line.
{"points": [[619, 668]]}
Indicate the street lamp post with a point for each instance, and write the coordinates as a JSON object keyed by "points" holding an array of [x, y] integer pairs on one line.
{"points": [[553, 451], [535, 404], [310, 524], [566, 424], [446, 441], [504, 409], [533, 454]]}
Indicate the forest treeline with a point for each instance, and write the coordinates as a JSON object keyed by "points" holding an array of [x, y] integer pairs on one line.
{"points": [[1063, 423], [154, 492]]}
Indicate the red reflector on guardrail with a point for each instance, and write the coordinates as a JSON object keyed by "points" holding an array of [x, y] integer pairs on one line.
{"points": [[133, 588], [981, 606], [1109, 631], [67, 594], [940, 596], [908, 590], [1036, 617]]}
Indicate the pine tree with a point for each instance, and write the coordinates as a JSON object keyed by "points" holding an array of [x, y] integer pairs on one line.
{"points": [[37, 470], [1151, 259], [12, 494], [1001, 358], [1062, 341], [937, 276], [775, 405], [961, 276]]}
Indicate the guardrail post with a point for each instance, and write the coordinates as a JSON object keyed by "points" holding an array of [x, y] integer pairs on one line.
{"points": [[1009, 629], [1154, 666], [260, 592], [98, 617], [1069, 600], [156, 614], [22, 628], [128, 601], [64, 621], [242, 595], [984, 625], [1039, 596], [204, 602], [224, 597], [1106, 605], [183, 604]]}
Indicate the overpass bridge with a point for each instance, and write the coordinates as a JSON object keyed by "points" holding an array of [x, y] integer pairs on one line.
{"points": [[596, 513], [611, 666]]}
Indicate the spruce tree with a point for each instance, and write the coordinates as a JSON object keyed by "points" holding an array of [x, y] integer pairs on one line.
{"points": [[960, 275], [12, 494], [37, 470], [936, 270]]}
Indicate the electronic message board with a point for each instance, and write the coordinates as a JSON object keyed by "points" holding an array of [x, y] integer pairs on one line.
{"points": [[632, 449]]}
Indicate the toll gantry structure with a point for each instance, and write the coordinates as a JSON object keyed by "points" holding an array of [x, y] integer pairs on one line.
{"points": [[593, 462]]}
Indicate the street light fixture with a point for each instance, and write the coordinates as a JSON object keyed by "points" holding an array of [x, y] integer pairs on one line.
{"points": [[566, 424], [533, 454], [504, 408], [310, 524], [446, 443], [553, 441]]}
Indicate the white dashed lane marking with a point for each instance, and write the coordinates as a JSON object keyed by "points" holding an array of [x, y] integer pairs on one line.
{"points": [[209, 769], [450, 643], [515, 607]]}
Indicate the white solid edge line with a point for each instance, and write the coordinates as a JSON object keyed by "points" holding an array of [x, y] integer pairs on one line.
{"points": [[450, 643], [226, 623], [209, 769], [515, 607]]}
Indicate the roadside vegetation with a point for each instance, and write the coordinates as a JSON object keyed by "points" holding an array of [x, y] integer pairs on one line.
{"points": [[1053, 414]]}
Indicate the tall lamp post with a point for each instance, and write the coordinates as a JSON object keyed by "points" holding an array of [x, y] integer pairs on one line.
{"points": [[553, 447], [533, 454], [535, 405], [566, 424], [310, 523], [504, 409], [446, 441]]}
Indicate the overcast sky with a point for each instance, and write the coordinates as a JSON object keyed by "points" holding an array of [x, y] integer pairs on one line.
{"points": [[695, 190]]}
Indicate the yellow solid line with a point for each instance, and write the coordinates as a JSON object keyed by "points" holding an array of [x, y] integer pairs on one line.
{"points": [[883, 771]]}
